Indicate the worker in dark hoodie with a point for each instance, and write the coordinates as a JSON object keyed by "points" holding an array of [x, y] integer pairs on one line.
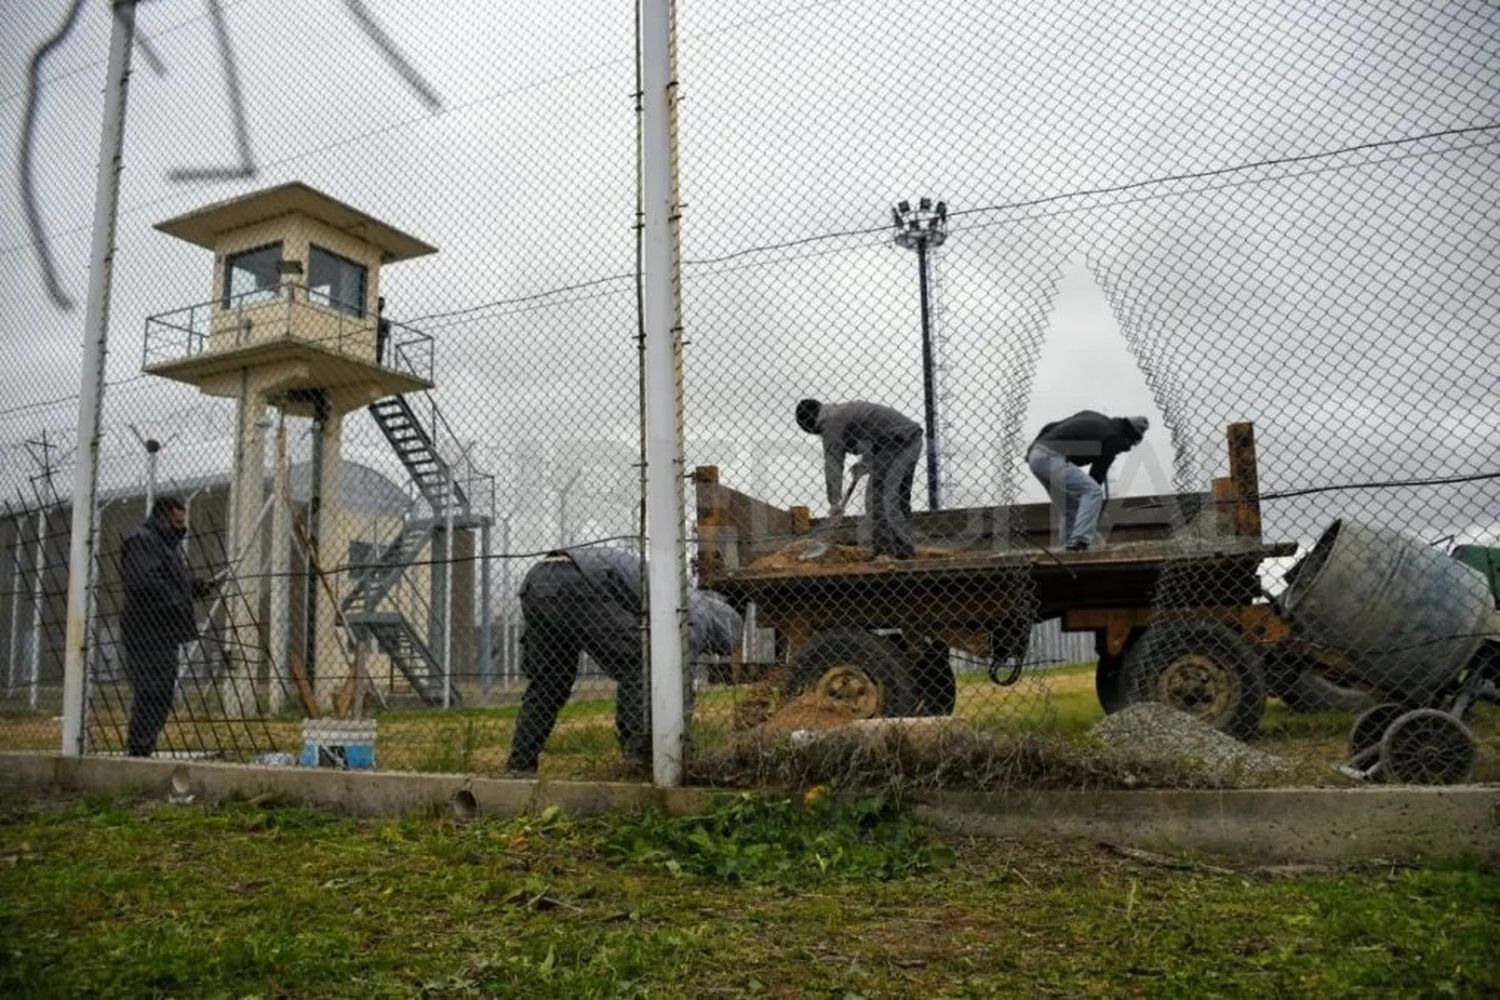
{"points": [[1060, 452], [589, 600], [888, 444]]}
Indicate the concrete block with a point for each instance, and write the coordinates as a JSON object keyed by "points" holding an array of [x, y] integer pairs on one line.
{"points": [[503, 797]]}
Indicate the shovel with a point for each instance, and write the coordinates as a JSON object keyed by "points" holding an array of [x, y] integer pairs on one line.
{"points": [[820, 548]]}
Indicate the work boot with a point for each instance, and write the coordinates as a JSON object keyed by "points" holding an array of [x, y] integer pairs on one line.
{"points": [[1076, 547]]}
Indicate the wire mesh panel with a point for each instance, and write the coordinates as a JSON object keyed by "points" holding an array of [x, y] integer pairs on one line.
{"points": [[1108, 393], [375, 311], [1188, 316]]}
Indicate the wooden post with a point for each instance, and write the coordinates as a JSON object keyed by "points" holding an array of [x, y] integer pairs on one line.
{"points": [[1246, 478], [801, 520], [710, 520]]}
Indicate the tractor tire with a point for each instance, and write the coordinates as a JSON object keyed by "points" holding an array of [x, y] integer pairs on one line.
{"points": [[932, 676], [865, 671], [1202, 668]]}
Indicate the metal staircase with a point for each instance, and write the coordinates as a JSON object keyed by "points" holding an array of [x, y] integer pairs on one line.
{"points": [[396, 638], [446, 498], [413, 445], [373, 581]]}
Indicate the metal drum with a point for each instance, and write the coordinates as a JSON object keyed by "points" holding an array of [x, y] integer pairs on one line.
{"points": [[1408, 616]]}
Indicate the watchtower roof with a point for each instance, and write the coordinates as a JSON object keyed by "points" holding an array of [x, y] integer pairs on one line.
{"points": [[204, 226]]}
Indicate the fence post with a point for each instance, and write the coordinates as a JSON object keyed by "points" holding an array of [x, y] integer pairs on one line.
{"points": [[663, 390], [38, 598], [81, 538], [486, 615]]}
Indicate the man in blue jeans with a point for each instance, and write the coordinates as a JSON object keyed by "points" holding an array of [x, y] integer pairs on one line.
{"points": [[1060, 452], [589, 600]]}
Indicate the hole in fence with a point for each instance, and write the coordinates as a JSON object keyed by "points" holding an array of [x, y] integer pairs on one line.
{"points": [[464, 805]]}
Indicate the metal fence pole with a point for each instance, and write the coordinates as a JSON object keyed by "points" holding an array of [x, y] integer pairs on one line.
{"points": [[486, 618], [663, 392], [17, 592], [34, 661], [91, 389], [447, 610]]}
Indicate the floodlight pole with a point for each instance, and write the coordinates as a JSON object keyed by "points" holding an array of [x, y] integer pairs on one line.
{"points": [[921, 229]]}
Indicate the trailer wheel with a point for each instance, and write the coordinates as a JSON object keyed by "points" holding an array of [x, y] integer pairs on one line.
{"points": [[1370, 726], [1428, 747], [861, 670], [932, 676], [1202, 668]]}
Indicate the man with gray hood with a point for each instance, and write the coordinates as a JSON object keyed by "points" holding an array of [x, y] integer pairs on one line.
{"points": [[1060, 452], [888, 444], [589, 600]]}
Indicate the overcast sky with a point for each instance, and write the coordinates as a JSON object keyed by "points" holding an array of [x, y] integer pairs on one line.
{"points": [[1346, 303]]}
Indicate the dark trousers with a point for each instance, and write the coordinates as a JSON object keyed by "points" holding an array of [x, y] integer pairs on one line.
{"points": [[893, 464], [152, 670], [564, 615]]}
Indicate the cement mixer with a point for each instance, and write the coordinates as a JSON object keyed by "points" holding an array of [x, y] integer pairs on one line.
{"points": [[1420, 627]]}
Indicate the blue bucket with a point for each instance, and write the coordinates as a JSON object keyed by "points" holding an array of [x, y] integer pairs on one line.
{"points": [[343, 744]]}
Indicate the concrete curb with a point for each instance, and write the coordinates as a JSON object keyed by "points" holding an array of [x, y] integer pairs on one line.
{"points": [[1262, 825]]}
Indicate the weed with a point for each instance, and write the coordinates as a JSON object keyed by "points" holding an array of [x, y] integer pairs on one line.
{"points": [[750, 838]]}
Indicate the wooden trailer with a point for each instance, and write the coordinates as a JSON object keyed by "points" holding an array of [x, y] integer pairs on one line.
{"points": [[1173, 598]]}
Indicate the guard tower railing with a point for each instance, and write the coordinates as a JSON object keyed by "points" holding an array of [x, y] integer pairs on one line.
{"points": [[292, 313]]}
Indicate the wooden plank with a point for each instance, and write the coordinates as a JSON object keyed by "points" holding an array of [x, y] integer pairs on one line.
{"points": [[305, 691], [752, 527], [1225, 498]]}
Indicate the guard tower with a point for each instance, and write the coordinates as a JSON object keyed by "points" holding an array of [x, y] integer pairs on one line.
{"points": [[294, 323]]}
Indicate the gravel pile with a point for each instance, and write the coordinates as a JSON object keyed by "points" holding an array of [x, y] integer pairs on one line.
{"points": [[1155, 734]]}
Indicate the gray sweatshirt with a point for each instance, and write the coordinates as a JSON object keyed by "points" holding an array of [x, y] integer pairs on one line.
{"points": [[857, 427], [713, 626]]}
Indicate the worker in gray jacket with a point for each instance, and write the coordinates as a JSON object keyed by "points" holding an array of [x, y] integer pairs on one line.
{"points": [[589, 600], [888, 444], [1060, 452]]}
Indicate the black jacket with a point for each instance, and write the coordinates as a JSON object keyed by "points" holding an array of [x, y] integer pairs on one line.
{"points": [[713, 626], [1089, 438], [159, 591]]}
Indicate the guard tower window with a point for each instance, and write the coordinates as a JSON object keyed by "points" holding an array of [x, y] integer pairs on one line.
{"points": [[251, 276], [335, 281]]}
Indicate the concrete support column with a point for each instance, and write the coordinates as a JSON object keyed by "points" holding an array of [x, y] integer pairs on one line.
{"points": [[241, 593], [334, 533], [278, 644]]}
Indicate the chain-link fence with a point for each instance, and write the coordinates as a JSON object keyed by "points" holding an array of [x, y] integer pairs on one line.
{"points": [[1044, 364]]}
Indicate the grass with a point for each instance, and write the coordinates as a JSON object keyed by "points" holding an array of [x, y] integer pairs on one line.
{"points": [[105, 898]]}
